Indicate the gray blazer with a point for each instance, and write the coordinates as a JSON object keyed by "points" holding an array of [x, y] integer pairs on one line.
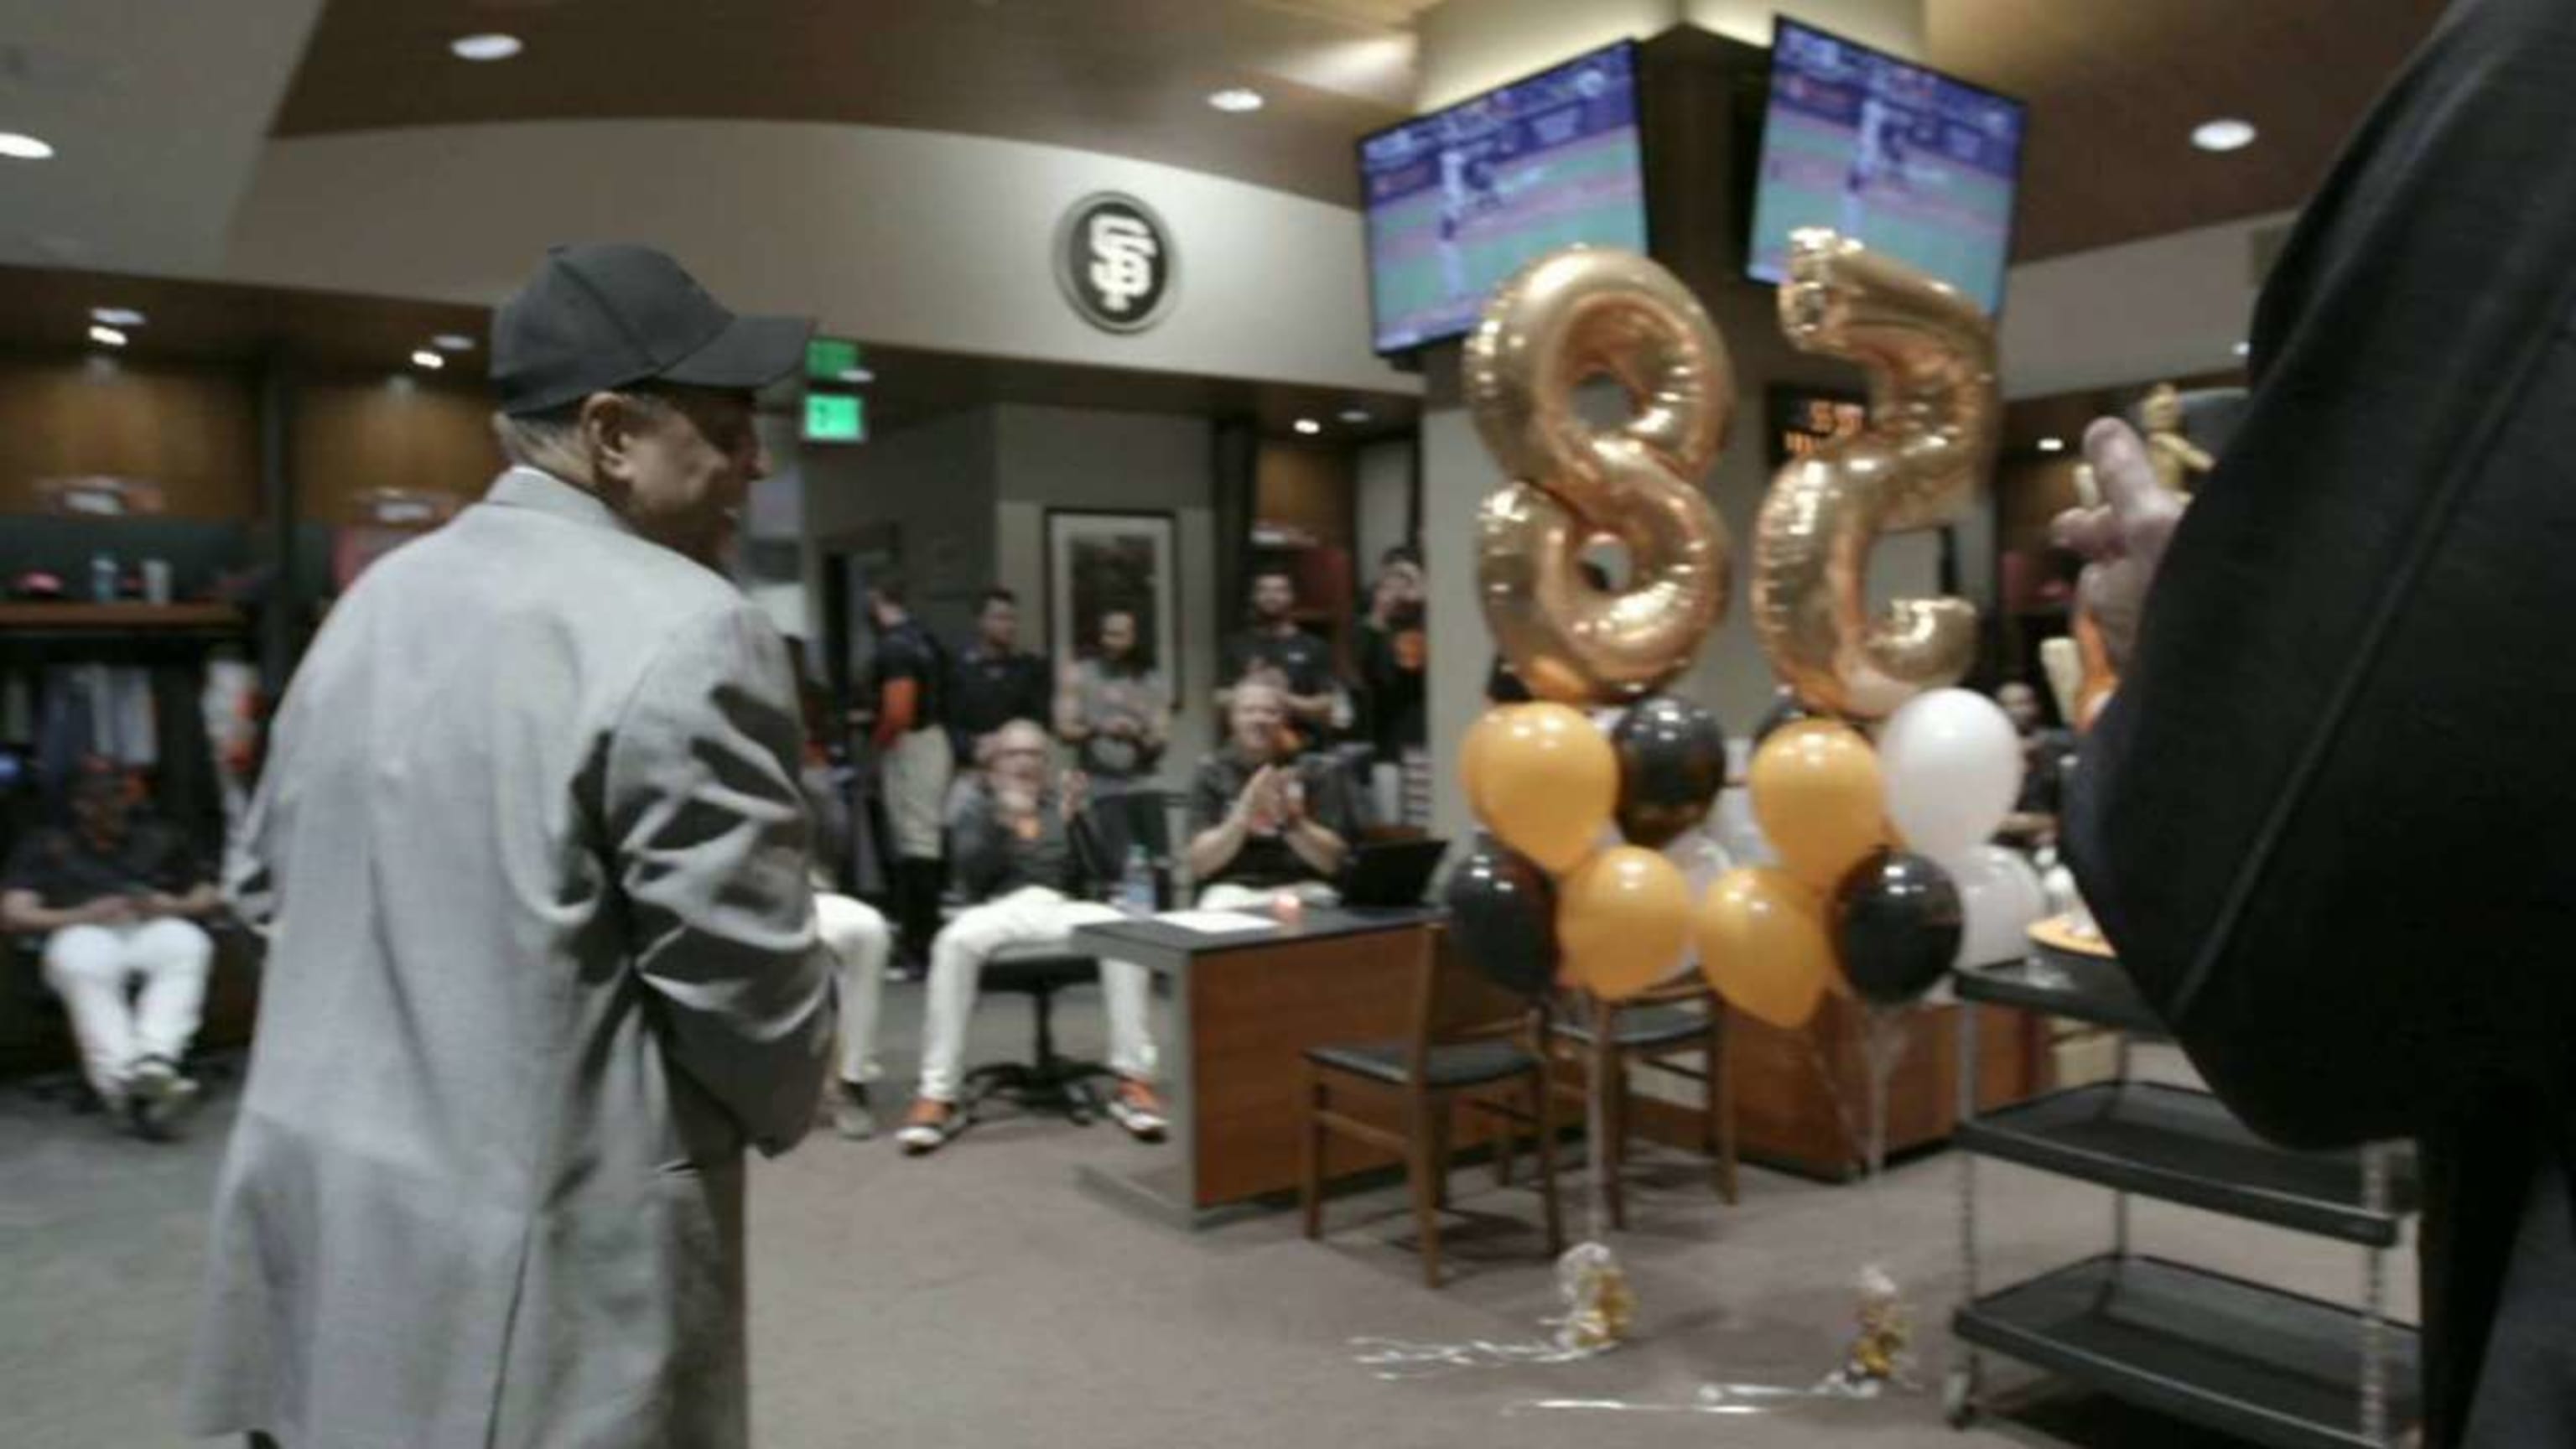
{"points": [[542, 961]]}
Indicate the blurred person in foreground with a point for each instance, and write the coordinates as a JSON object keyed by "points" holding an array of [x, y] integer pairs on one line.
{"points": [[1267, 818], [542, 955], [2335, 857], [117, 898]]}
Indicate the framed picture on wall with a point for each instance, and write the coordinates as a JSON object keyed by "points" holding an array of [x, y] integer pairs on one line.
{"points": [[1097, 562]]}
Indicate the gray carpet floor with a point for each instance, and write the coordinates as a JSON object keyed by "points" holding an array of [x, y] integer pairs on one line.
{"points": [[980, 1299]]}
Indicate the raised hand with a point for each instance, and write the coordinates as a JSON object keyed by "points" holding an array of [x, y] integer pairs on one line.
{"points": [[2123, 537]]}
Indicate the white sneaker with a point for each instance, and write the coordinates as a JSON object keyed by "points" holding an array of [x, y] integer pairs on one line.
{"points": [[930, 1125], [1136, 1108], [852, 1117]]}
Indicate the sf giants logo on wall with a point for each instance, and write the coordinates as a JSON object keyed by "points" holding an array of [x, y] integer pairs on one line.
{"points": [[1114, 259]]}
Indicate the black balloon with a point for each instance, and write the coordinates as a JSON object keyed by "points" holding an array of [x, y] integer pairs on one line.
{"points": [[1672, 763], [1897, 921], [1503, 909]]}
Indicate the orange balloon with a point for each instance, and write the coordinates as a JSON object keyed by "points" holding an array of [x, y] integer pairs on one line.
{"points": [[1819, 797], [1764, 943], [1622, 919], [1548, 780], [1472, 749]]}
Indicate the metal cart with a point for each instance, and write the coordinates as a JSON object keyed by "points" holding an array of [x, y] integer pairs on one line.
{"points": [[2271, 1366]]}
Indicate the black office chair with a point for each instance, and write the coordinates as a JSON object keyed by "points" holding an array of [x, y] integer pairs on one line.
{"points": [[1047, 1082]]}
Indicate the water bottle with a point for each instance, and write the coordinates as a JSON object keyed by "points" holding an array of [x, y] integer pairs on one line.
{"points": [[1136, 883]]}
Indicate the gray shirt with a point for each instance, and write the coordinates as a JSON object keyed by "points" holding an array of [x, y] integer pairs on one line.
{"points": [[1103, 693], [991, 858]]}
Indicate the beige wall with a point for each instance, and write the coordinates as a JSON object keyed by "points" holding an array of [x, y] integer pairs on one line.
{"points": [[1385, 502], [905, 238], [934, 484]]}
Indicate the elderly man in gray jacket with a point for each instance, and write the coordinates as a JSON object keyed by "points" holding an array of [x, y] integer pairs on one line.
{"points": [[542, 956]]}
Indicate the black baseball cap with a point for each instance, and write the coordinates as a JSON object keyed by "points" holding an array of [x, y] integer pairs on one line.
{"points": [[598, 318]]}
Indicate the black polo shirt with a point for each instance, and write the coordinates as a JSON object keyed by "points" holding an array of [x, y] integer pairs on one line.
{"points": [[987, 691], [1268, 860], [907, 651], [66, 871], [1304, 659]]}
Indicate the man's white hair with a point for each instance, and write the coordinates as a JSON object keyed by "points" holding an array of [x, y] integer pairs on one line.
{"points": [[1257, 683], [551, 441]]}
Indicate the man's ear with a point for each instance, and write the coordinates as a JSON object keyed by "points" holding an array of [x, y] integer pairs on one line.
{"points": [[610, 425]]}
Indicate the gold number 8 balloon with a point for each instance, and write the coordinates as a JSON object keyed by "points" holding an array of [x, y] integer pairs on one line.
{"points": [[1933, 416], [1565, 319]]}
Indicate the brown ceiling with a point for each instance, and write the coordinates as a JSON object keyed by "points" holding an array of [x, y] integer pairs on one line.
{"points": [[204, 322], [45, 310], [1125, 77], [2115, 87]]}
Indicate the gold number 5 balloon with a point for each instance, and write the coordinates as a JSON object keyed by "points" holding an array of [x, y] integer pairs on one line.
{"points": [[1933, 418], [1567, 318]]}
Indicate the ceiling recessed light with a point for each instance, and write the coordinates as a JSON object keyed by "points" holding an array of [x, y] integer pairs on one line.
{"points": [[1355, 416], [2052, 445], [452, 342], [106, 336], [116, 316], [489, 46], [18, 146], [1308, 426], [428, 359], [2224, 134], [1235, 99], [2244, 349]]}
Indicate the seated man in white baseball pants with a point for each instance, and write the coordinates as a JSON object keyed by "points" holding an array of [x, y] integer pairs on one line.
{"points": [[860, 942], [1014, 854], [117, 897]]}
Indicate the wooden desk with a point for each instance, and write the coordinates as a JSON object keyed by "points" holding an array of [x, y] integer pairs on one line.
{"points": [[1244, 1009], [1787, 1115]]}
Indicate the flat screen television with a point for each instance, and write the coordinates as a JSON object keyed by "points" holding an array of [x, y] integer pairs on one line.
{"points": [[1908, 161], [1459, 199]]}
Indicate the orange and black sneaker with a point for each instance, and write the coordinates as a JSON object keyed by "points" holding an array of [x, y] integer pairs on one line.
{"points": [[929, 1126], [1138, 1109]]}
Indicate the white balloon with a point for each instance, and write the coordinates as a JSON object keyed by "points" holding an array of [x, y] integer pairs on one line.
{"points": [[1953, 768], [1702, 861], [1733, 825], [2001, 897]]}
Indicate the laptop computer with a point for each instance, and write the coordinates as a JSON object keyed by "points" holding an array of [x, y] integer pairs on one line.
{"points": [[1390, 874]]}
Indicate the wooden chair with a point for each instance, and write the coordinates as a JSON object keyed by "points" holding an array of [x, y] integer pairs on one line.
{"points": [[1469, 1036], [1669, 1021]]}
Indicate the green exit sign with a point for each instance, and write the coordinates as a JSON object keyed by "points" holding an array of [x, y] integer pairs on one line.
{"points": [[835, 417], [833, 359]]}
